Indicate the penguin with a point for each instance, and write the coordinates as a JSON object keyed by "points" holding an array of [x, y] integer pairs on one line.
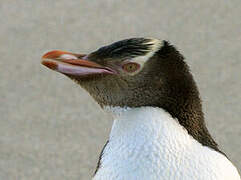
{"points": [[159, 131]]}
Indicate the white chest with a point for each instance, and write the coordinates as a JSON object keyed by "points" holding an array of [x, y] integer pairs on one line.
{"points": [[148, 144]]}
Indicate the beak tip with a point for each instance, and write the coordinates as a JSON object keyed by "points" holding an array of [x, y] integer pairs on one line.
{"points": [[52, 54], [50, 64]]}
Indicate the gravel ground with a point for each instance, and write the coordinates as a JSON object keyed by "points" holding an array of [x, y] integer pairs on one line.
{"points": [[51, 129]]}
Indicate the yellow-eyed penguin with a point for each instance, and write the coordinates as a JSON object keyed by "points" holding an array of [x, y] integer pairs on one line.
{"points": [[159, 131]]}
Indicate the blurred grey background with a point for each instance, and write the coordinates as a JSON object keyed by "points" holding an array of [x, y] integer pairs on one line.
{"points": [[51, 129]]}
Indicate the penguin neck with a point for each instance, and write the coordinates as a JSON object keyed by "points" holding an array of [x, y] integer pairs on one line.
{"points": [[139, 121], [127, 119]]}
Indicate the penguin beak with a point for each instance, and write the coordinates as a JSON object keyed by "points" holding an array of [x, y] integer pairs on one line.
{"points": [[73, 64]]}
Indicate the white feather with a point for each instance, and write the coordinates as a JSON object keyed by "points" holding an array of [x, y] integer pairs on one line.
{"points": [[148, 144]]}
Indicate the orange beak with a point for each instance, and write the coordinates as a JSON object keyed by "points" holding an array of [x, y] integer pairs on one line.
{"points": [[73, 64]]}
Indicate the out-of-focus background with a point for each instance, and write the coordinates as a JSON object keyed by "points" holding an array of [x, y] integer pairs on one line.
{"points": [[51, 129]]}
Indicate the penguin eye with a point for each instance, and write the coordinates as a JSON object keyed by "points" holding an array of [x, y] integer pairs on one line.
{"points": [[130, 67]]}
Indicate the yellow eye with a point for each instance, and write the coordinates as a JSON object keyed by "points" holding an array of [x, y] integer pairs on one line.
{"points": [[130, 67]]}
